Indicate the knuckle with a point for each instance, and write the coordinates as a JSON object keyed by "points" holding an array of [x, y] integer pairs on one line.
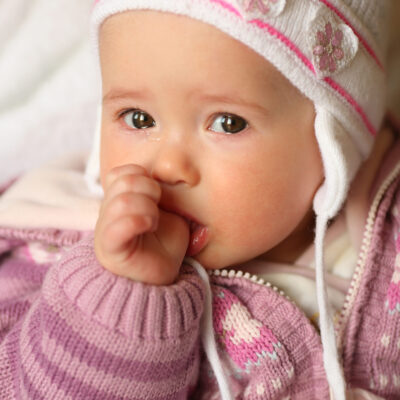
{"points": [[140, 170], [128, 182], [110, 177], [130, 223], [140, 184], [113, 175], [124, 170], [121, 203]]}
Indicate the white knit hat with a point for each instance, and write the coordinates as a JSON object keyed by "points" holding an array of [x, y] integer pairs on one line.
{"points": [[333, 52]]}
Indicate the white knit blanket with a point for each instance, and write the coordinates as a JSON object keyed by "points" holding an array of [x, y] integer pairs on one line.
{"points": [[48, 85]]}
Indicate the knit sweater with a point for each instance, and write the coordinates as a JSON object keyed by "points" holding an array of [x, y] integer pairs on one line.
{"points": [[69, 329]]}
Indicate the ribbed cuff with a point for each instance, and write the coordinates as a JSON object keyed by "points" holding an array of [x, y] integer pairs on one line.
{"points": [[134, 309]]}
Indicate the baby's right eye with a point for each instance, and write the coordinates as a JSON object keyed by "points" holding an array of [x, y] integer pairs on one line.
{"points": [[138, 119]]}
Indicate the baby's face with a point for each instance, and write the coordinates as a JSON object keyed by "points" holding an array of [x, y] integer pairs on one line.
{"points": [[230, 140]]}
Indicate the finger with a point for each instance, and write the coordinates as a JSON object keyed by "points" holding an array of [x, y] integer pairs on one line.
{"points": [[173, 232], [129, 183], [129, 203], [126, 169], [122, 235]]}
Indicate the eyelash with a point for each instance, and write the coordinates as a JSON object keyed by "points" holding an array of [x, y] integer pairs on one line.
{"points": [[123, 113]]}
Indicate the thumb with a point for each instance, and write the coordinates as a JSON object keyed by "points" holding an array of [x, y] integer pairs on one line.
{"points": [[173, 232]]}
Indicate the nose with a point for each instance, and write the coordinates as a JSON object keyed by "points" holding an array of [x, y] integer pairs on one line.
{"points": [[174, 164]]}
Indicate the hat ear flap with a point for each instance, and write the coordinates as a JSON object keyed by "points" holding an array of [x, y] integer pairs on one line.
{"points": [[341, 160]]}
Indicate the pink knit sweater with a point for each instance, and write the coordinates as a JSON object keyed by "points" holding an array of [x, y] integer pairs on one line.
{"points": [[69, 329]]}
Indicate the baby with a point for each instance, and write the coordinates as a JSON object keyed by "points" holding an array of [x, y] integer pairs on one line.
{"points": [[231, 132], [185, 147]]}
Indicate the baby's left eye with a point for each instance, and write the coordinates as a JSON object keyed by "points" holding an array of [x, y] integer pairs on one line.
{"points": [[229, 124]]}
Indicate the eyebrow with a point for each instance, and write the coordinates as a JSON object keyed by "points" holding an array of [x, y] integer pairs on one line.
{"points": [[232, 99], [117, 94], [120, 94]]}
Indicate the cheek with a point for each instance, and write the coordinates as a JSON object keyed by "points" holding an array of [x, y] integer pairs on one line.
{"points": [[113, 153], [262, 198], [244, 194], [108, 157], [116, 150]]}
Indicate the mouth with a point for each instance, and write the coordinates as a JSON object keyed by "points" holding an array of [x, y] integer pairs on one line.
{"points": [[198, 239], [198, 232]]}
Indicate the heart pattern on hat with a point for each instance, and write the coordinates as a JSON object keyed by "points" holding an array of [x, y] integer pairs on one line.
{"points": [[260, 9], [333, 45]]}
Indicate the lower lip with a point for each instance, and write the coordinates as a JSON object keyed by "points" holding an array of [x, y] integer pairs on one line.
{"points": [[198, 240]]}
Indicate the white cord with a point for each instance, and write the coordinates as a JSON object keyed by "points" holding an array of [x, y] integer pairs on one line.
{"points": [[332, 365], [207, 334]]}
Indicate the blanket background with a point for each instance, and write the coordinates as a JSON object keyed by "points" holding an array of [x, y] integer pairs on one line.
{"points": [[48, 85]]}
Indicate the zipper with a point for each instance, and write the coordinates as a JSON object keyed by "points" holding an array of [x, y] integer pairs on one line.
{"points": [[246, 275], [362, 258]]}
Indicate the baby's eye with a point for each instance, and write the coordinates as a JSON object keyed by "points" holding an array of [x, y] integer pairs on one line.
{"points": [[229, 123], [137, 119]]}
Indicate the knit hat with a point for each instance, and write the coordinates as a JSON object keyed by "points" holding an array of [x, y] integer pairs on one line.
{"points": [[333, 52]]}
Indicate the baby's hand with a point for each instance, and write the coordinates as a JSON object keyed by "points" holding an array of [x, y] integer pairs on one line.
{"points": [[133, 237]]}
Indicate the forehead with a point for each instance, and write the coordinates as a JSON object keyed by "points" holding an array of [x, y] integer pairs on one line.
{"points": [[150, 45]]}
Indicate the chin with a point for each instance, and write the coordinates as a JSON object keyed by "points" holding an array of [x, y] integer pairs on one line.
{"points": [[212, 260], [209, 260]]}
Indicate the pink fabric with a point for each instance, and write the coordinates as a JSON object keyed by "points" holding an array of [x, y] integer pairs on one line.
{"points": [[353, 103], [358, 394], [227, 6], [71, 329]]}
